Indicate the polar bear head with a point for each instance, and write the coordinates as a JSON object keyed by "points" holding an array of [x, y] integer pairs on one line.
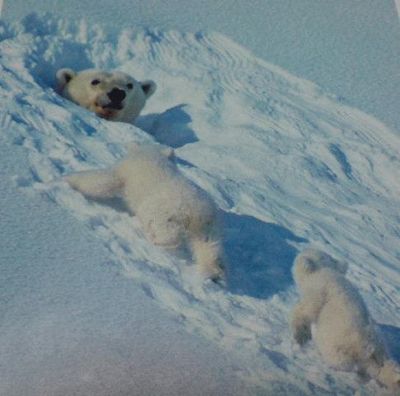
{"points": [[114, 95], [311, 261]]}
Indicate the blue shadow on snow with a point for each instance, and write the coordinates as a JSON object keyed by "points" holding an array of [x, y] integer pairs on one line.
{"points": [[170, 127], [259, 256], [391, 337]]}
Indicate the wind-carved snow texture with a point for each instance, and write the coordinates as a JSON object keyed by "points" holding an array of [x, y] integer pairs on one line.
{"points": [[287, 164]]}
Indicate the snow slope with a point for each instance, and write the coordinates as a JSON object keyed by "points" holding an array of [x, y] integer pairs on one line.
{"points": [[351, 48], [71, 324], [287, 164]]}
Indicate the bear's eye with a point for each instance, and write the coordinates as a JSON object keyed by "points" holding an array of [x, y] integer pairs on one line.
{"points": [[95, 82], [129, 85]]}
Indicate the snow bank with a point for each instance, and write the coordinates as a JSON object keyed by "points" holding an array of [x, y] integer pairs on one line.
{"points": [[286, 163], [348, 47]]}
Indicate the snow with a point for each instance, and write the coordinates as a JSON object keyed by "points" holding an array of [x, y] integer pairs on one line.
{"points": [[71, 324], [348, 47], [91, 306]]}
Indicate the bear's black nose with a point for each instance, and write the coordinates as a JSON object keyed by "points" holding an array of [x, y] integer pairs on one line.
{"points": [[116, 95]]}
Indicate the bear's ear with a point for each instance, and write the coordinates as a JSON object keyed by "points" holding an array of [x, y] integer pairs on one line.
{"points": [[168, 152], [341, 266], [64, 76], [148, 87]]}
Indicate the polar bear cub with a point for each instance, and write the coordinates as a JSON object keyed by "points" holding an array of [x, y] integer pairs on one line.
{"points": [[344, 331], [114, 95], [171, 208]]}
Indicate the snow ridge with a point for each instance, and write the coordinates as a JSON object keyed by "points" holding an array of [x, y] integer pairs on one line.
{"points": [[287, 164]]}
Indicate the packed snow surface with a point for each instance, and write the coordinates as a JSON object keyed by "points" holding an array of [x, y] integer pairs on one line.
{"points": [[287, 164]]}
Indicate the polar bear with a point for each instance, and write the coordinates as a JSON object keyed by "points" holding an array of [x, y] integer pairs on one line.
{"points": [[172, 210], [114, 95], [344, 332]]}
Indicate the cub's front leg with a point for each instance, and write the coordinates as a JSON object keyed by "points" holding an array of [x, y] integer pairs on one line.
{"points": [[301, 323], [95, 184]]}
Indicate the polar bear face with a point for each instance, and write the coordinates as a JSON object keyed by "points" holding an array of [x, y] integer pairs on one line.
{"points": [[311, 261], [115, 96]]}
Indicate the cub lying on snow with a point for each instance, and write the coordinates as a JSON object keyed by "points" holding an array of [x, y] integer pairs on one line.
{"points": [[171, 209], [344, 332]]}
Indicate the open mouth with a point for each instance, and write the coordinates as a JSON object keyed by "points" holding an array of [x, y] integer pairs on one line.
{"points": [[113, 106], [108, 111]]}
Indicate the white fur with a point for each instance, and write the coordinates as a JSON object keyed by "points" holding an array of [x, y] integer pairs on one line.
{"points": [[78, 88], [344, 332], [171, 209]]}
